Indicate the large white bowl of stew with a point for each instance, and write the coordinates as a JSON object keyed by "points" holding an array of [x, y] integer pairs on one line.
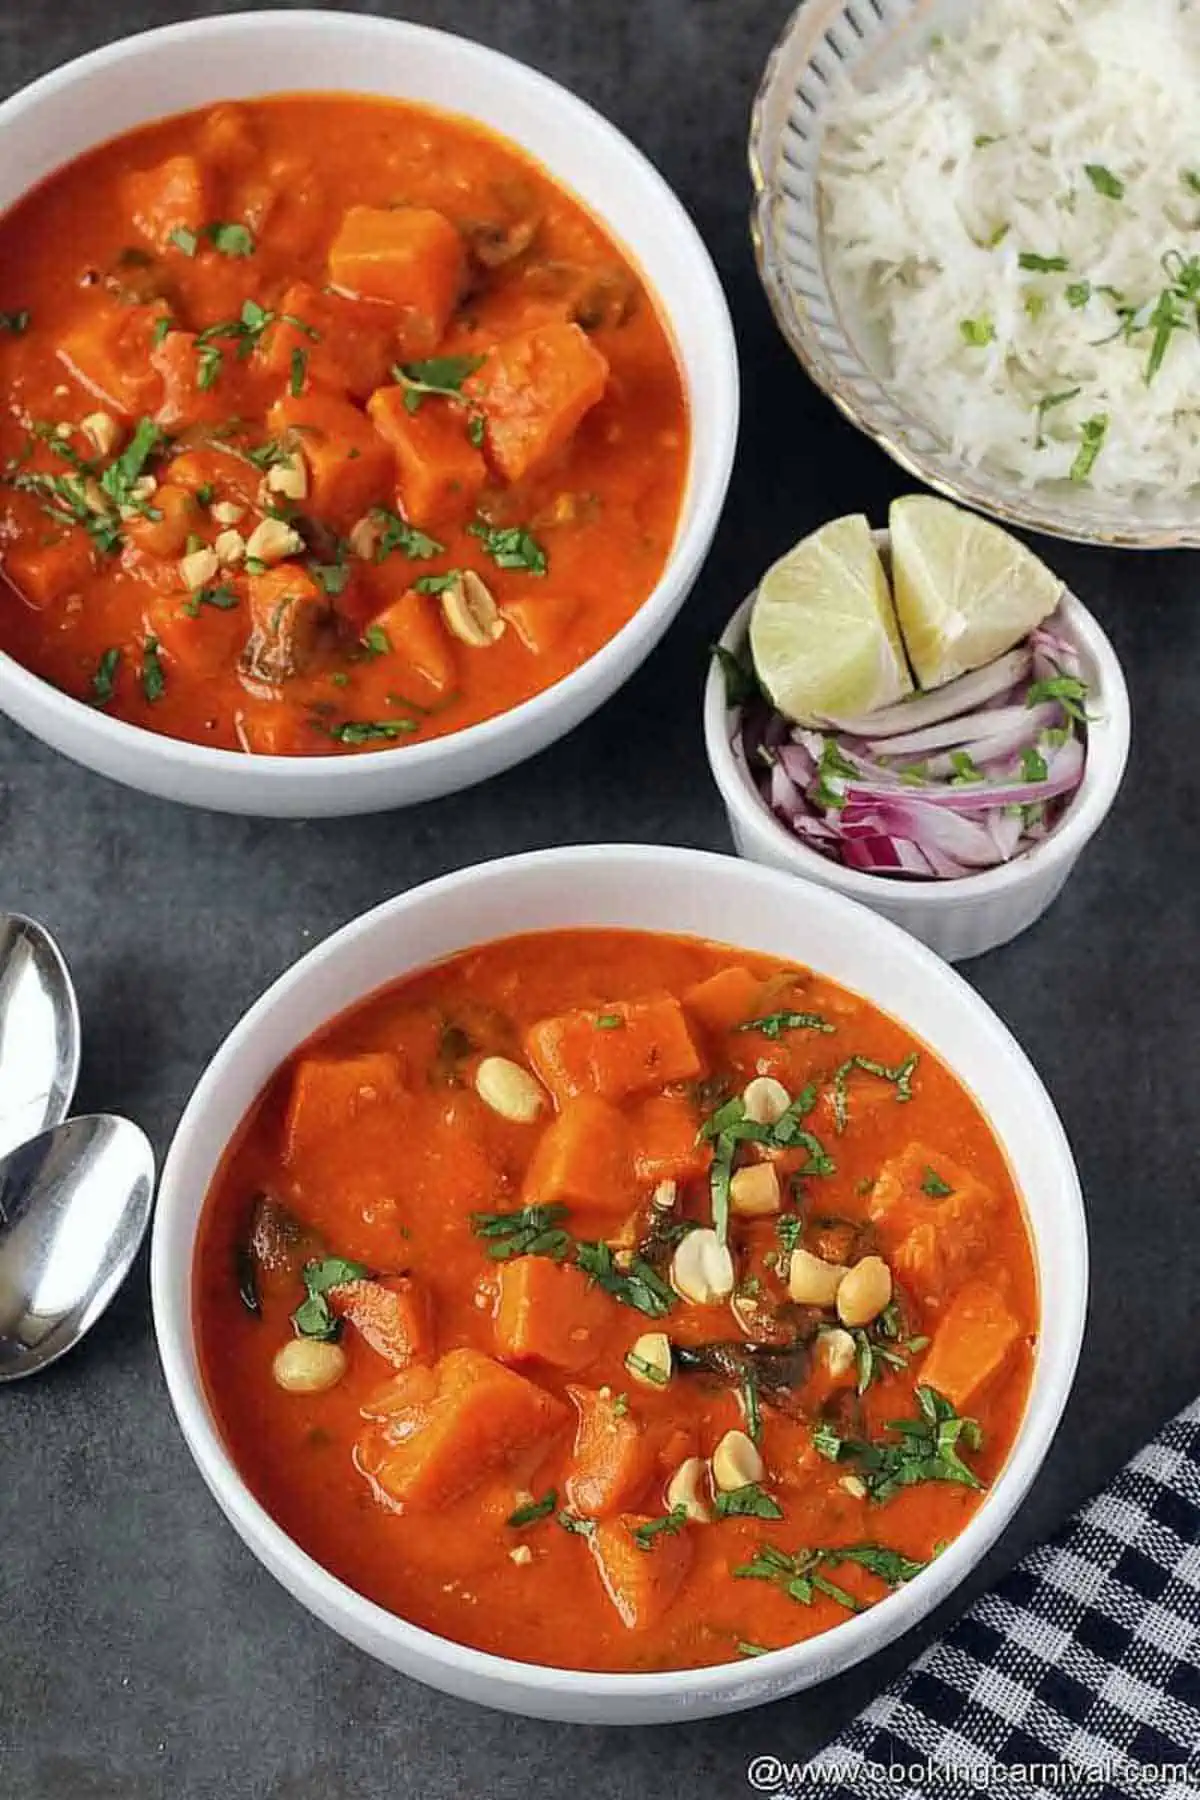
{"points": [[542, 1265], [368, 406]]}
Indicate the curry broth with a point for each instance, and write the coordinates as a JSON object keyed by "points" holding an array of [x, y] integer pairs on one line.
{"points": [[395, 1187], [83, 296]]}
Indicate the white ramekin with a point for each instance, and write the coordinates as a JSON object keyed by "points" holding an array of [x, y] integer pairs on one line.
{"points": [[965, 917], [189, 65], [658, 890]]}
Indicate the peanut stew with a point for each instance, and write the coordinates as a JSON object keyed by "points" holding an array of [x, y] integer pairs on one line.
{"points": [[622, 1267], [326, 423]]}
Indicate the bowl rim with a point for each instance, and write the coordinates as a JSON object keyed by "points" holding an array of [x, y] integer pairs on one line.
{"points": [[714, 407], [1019, 505], [1103, 770], [712, 1687]]}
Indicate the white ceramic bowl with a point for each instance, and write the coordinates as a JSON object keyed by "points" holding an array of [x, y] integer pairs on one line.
{"points": [[826, 45], [189, 65], [659, 890], [965, 917]]}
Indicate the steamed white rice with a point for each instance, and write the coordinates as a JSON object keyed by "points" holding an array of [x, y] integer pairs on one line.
{"points": [[935, 183]]}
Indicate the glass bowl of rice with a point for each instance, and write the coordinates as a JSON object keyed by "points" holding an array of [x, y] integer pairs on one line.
{"points": [[979, 229]]}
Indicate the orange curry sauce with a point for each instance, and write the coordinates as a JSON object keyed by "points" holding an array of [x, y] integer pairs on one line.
{"points": [[472, 1386], [201, 328]]}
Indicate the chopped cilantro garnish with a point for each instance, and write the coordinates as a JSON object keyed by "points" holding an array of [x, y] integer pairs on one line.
{"points": [[1104, 181], [184, 240], [439, 375], [230, 240], [154, 681], [533, 1511], [1044, 265], [510, 546], [976, 332], [399, 535], [105, 679], [15, 322], [644, 1536], [1091, 442], [314, 1317]]}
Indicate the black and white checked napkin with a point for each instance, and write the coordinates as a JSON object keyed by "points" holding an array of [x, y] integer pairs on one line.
{"points": [[1082, 1666]]}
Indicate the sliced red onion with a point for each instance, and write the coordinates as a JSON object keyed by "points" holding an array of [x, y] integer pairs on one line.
{"points": [[894, 793], [966, 694]]}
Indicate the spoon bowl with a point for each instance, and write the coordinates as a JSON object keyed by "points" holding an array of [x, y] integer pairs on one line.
{"points": [[39, 1032], [74, 1206]]}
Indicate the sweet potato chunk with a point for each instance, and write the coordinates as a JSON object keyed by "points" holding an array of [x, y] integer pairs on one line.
{"points": [[166, 535], [646, 1047], [664, 1137], [329, 1093], [614, 1457], [413, 627], [725, 1000], [108, 353], [408, 255], [542, 621], [973, 1341], [44, 573], [184, 401], [392, 1314], [439, 472], [550, 1313], [582, 1159], [204, 640], [349, 466], [534, 389], [173, 196], [353, 348], [641, 1584], [440, 1432], [287, 610], [936, 1238]]}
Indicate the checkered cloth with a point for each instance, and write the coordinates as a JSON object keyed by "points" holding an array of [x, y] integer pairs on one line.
{"points": [[1085, 1660]]}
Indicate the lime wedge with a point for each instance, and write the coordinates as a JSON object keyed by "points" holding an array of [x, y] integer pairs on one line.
{"points": [[965, 590], [823, 632]]}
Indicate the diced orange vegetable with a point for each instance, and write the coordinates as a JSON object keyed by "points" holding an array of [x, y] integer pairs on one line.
{"points": [[392, 1314], [329, 1093], [108, 353], [413, 627], [287, 612], [936, 1239], [274, 729], [184, 401], [408, 255], [725, 1000], [353, 348], [173, 196], [440, 1432], [201, 639], [227, 138], [664, 1136], [974, 1339], [166, 535], [543, 622], [350, 467], [44, 573], [582, 1159], [642, 1584], [614, 1458], [438, 470], [534, 389], [550, 1313], [648, 1047]]}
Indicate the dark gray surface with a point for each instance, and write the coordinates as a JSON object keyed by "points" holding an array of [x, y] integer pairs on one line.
{"points": [[143, 1653]]}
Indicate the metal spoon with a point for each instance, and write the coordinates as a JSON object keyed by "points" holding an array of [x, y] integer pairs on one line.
{"points": [[74, 1205], [39, 1032]]}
